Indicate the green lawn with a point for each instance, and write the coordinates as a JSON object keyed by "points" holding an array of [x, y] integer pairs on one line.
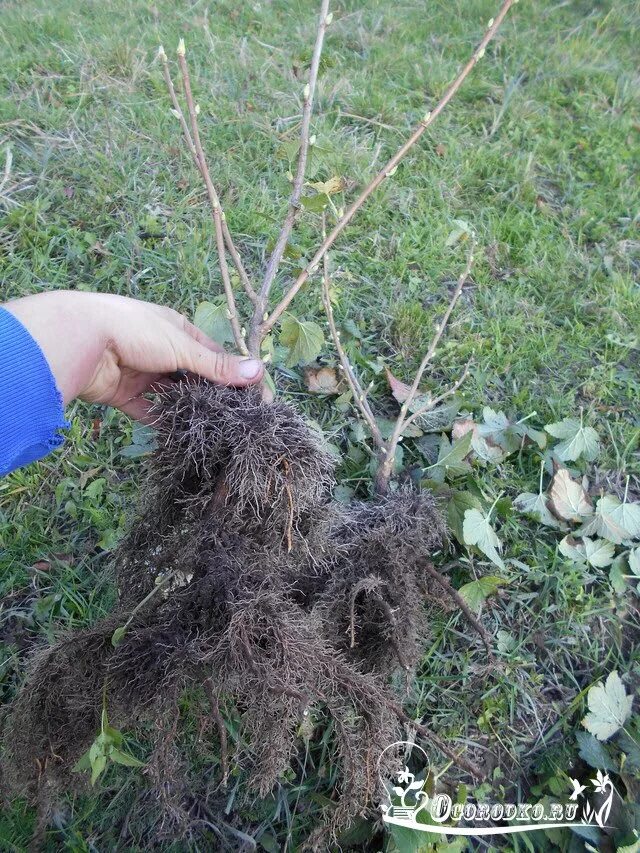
{"points": [[538, 154]]}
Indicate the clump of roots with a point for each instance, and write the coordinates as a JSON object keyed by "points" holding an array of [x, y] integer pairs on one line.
{"points": [[257, 587]]}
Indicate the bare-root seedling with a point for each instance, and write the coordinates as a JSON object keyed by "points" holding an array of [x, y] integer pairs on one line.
{"points": [[242, 576]]}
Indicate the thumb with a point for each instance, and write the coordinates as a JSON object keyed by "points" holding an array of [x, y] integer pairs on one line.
{"points": [[220, 367]]}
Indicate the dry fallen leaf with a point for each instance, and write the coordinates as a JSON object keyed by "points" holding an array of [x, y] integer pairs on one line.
{"points": [[567, 498], [401, 390], [462, 427], [333, 185], [322, 380]]}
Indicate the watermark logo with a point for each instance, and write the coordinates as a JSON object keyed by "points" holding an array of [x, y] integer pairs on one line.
{"points": [[409, 805]]}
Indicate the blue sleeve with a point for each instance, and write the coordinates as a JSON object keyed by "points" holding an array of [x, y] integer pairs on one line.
{"points": [[31, 407]]}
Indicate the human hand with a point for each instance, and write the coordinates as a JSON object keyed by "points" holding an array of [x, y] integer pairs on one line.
{"points": [[111, 349]]}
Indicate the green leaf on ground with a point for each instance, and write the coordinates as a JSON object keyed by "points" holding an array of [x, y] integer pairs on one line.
{"points": [[498, 429], [617, 573], [315, 203], [634, 561], [461, 231], [458, 504], [597, 552], [609, 707], [613, 520], [451, 458], [214, 321], [120, 757], [478, 532], [475, 593], [577, 440], [535, 505], [303, 339], [593, 752]]}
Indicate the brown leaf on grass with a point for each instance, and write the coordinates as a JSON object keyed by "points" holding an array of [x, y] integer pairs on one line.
{"points": [[96, 428], [401, 391], [322, 380], [44, 565], [333, 185], [567, 498], [482, 447], [99, 249], [462, 427]]}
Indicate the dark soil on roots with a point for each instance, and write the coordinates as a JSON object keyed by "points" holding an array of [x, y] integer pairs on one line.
{"points": [[268, 594]]}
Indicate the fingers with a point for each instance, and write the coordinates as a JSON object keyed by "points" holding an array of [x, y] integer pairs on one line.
{"points": [[220, 367], [199, 354], [138, 409]]}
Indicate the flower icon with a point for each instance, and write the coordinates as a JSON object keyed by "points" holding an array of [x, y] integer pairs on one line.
{"points": [[405, 776], [600, 782], [577, 789]]}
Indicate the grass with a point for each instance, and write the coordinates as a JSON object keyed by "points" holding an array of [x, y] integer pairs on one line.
{"points": [[538, 153]]}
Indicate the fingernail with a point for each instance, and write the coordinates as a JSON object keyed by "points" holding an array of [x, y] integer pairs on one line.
{"points": [[249, 368]]}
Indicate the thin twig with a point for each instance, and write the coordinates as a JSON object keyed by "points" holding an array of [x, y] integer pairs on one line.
{"points": [[437, 400], [473, 620], [214, 201], [426, 732], [359, 395], [464, 275], [178, 112], [402, 421], [255, 334], [387, 171], [386, 454]]}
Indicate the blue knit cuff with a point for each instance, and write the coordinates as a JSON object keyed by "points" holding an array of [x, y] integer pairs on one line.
{"points": [[31, 407]]}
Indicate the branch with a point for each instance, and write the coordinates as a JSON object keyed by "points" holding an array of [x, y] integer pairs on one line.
{"points": [[359, 396], [244, 278], [195, 148], [255, 335], [388, 453], [428, 407], [425, 732], [473, 620], [214, 202], [462, 279], [388, 170]]}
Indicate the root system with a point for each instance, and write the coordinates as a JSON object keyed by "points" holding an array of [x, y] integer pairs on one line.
{"points": [[259, 588]]}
